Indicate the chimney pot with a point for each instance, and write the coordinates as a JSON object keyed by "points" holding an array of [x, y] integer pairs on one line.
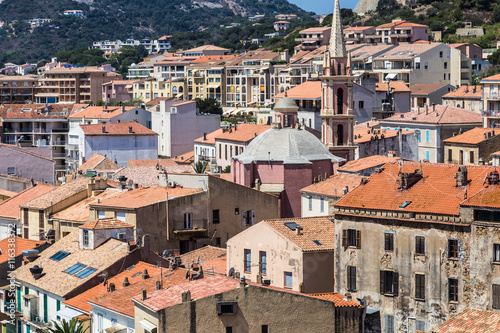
{"points": [[104, 129], [145, 274], [126, 283], [426, 109], [111, 287], [158, 285], [297, 230], [144, 294], [130, 129]]}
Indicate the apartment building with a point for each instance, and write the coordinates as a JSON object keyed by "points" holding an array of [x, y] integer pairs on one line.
{"points": [[400, 32], [473, 147], [121, 90], [72, 85], [491, 97], [424, 247], [18, 89], [358, 35], [153, 46], [475, 53], [466, 97], [205, 50], [428, 93], [248, 77], [312, 38]]}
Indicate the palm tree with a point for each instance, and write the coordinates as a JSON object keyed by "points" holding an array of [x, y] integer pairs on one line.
{"points": [[67, 327], [200, 167]]}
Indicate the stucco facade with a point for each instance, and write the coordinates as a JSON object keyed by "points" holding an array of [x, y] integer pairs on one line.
{"points": [[19, 162]]}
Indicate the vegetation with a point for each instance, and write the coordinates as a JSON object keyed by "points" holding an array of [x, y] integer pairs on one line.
{"points": [[208, 105], [200, 167], [72, 326]]}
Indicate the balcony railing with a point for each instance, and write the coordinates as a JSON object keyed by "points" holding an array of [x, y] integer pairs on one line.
{"points": [[197, 226], [492, 95]]}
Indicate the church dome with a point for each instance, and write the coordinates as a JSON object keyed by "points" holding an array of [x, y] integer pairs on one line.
{"points": [[286, 104], [287, 145]]}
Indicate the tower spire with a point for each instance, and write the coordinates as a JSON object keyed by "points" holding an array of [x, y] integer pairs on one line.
{"points": [[337, 46]]}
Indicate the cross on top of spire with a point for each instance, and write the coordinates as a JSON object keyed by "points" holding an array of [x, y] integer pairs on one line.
{"points": [[337, 45]]}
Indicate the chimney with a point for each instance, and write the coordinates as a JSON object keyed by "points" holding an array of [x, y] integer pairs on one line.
{"points": [[144, 294], [235, 127], [123, 108], [186, 296], [474, 90], [145, 274], [257, 184], [391, 154], [297, 230], [158, 285], [146, 243], [243, 282], [111, 287], [130, 130], [125, 282], [204, 136], [426, 109], [345, 190], [461, 176], [135, 186], [433, 107], [103, 129]]}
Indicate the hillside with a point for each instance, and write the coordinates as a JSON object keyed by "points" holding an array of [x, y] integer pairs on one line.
{"points": [[112, 19]]}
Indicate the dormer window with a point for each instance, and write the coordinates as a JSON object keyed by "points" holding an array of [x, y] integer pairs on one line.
{"points": [[85, 238]]}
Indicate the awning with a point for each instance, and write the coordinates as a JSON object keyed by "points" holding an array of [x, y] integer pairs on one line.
{"points": [[68, 313], [178, 95], [148, 326], [115, 329], [213, 86], [391, 76], [128, 86], [371, 310], [272, 188]]}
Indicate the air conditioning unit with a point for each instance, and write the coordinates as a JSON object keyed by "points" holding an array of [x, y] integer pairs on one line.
{"points": [[266, 282]]}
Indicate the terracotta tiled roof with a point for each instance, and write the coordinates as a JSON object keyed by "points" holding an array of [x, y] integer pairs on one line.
{"points": [[319, 229], [80, 302], [357, 28], [367, 51], [148, 175], [227, 176], [401, 23], [471, 320], [35, 111], [338, 300], [121, 299], [314, 29], [435, 193], [473, 136], [95, 112], [6, 193], [362, 135], [152, 162], [426, 88], [157, 100], [310, 90], [491, 78], [467, 92], [242, 133], [443, 115], [80, 211], [333, 186], [10, 207], [98, 162], [488, 197], [406, 51], [396, 86], [21, 244], [145, 196], [207, 48], [131, 128], [186, 158], [58, 194], [106, 223], [55, 280], [365, 163], [89, 69], [366, 125], [210, 257]]}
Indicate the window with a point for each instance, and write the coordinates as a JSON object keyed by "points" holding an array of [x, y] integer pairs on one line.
{"points": [[220, 151], [461, 157], [188, 220], [420, 325], [389, 241], [11, 171], [215, 216], [248, 217], [389, 283], [351, 278], [389, 324], [440, 54], [419, 286], [262, 262], [417, 65], [351, 237], [322, 204], [229, 329], [471, 157], [288, 280], [59, 255], [444, 76], [426, 65], [420, 245], [101, 214], [120, 216], [85, 237], [445, 65], [361, 104], [450, 154], [427, 155], [86, 272], [40, 219], [75, 268], [427, 136], [265, 328], [247, 262], [452, 290], [496, 296], [496, 252], [310, 199], [453, 248], [227, 308]]}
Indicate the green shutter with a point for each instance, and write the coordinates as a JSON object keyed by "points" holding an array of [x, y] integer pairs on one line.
{"points": [[28, 329], [19, 299], [26, 290], [45, 314], [58, 307]]}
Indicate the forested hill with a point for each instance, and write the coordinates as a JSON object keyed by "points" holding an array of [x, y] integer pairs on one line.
{"points": [[116, 19]]}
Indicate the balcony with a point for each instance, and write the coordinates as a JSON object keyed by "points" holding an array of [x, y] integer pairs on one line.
{"points": [[60, 129], [204, 158], [198, 227], [492, 95]]}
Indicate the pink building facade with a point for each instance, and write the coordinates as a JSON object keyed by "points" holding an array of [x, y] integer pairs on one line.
{"points": [[117, 89]]}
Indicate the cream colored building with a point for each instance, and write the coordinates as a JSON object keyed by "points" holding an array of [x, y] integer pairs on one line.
{"points": [[473, 147], [466, 97], [149, 89], [290, 253]]}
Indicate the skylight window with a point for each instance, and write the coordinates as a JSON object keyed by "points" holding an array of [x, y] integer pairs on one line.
{"points": [[137, 274], [317, 242], [292, 225], [59, 255], [405, 204], [86, 272], [75, 268]]}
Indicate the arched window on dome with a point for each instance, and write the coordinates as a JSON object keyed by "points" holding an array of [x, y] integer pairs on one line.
{"points": [[340, 135], [340, 101]]}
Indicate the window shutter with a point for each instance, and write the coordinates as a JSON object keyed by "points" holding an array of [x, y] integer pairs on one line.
{"points": [[496, 296], [395, 283], [344, 237], [253, 216], [353, 278], [349, 279], [358, 239], [382, 282], [244, 218]]}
